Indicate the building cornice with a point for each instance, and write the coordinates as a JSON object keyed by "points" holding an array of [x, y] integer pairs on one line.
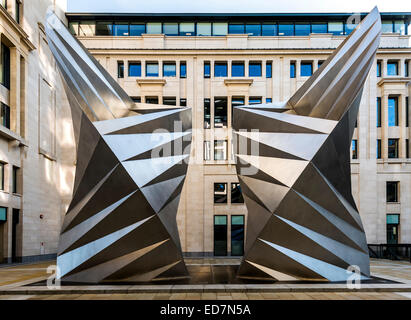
{"points": [[394, 80]]}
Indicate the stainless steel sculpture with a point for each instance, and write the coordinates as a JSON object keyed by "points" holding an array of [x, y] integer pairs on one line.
{"points": [[302, 221], [121, 223]]}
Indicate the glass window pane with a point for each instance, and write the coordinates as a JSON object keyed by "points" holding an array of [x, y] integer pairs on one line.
{"points": [[378, 112], [253, 29], [207, 69], [220, 28], [220, 195], [335, 28], [302, 29], [392, 68], [220, 150], [392, 148], [1, 176], [269, 29], [137, 29], [399, 26], [73, 27], [134, 69], [87, 28], [183, 69], [152, 70], [237, 69], [170, 29], [3, 214], [387, 26], [254, 100], [220, 69], [220, 220], [392, 112], [292, 69], [254, 69], [306, 69], [207, 114], [104, 28], [236, 195], [393, 218], [354, 148], [392, 191], [319, 27], [220, 112], [120, 29], [268, 70], [169, 69], [204, 28], [120, 69], [285, 29], [237, 220], [187, 29], [236, 28], [154, 28]]}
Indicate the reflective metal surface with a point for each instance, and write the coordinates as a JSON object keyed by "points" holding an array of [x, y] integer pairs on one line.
{"points": [[121, 223], [303, 222]]}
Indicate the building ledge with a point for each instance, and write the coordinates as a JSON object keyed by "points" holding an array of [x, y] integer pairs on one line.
{"points": [[238, 81], [161, 82], [12, 136], [394, 80], [47, 155]]}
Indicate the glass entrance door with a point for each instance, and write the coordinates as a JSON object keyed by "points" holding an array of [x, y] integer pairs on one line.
{"points": [[237, 235], [220, 235], [393, 222]]}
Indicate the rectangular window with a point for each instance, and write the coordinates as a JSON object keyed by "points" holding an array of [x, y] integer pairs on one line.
{"points": [[302, 29], [220, 28], [378, 112], [204, 29], [236, 28], [320, 62], [169, 69], [15, 179], [269, 29], [5, 115], [335, 28], [393, 224], [254, 69], [2, 165], [286, 29], [378, 148], [392, 68], [354, 149], [170, 29], [237, 235], [152, 100], [207, 150], [17, 13], [319, 27], [236, 195], [3, 214], [406, 68], [121, 29], [407, 112], [387, 26], [399, 26], [87, 28], [183, 102], [220, 112], [120, 69], [187, 29], [137, 29], [268, 100], [237, 69], [153, 28], [134, 69], [407, 148], [292, 69], [220, 192], [5, 66], [73, 27], [393, 148], [253, 29], [306, 69], [254, 100], [349, 27], [220, 149], [169, 101], [136, 99], [220, 235], [393, 111], [392, 191], [104, 28], [207, 114], [207, 69], [269, 69], [183, 69], [220, 69], [152, 69], [378, 69]]}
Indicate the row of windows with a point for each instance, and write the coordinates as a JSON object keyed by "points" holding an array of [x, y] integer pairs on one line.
{"points": [[237, 69], [393, 148], [17, 4], [392, 68], [110, 28], [15, 178], [170, 101], [221, 193], [152, 69]]}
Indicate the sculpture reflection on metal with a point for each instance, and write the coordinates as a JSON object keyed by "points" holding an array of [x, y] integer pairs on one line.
{"points": [[121, 223], [303, 222]]}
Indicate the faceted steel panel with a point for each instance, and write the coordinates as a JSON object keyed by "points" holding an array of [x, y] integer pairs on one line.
{"points": [[121, 223], [303, 222]]}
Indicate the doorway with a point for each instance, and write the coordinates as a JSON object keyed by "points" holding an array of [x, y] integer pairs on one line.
{"points": [[393, 223]]}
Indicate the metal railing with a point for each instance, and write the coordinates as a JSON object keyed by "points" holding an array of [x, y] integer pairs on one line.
{"points": [[390, 251]]}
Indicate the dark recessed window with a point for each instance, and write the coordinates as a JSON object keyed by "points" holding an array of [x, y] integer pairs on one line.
{"points": [[407, 112], [378, 148], [237, 235], [137, 29], [269, 69], [170, 29], [269, 29], [392, 191], [292, 69], [378, 69], [306, 69], [2, 176], [152, 69], [220, 149], [319, 27], [220, 192], [207, 114], [220, 69], [220, 235], [17, 12], [3, 214], [378, 112], [407, 148], [393, 111], [254, 100], [237, 69], [5, 66], [254, 69], [220, 112], [15, 183], [302, 29], [169, 69], [5, 115], [354, 149], [236, 102], [285, 29], [236, 28], [406, 68], [121, 29], [120, 69], [169, 101], [183, 102], [152, 100], [268, 100], [253, 29], [104, 28], [136, 99], [393, 148], [134, 69], [207, 69], [236, 194], [183, 69], [393, 225], [392, 68]]}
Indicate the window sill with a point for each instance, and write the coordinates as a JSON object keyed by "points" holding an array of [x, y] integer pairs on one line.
{"points": [[151, 81], [47, 155], [12, 136]]}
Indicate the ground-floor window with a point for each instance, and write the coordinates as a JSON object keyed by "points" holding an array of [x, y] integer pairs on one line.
{"points": [[393, 224], [220, 235], [237, 235]]}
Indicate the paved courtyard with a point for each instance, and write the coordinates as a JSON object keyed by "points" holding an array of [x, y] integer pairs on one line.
{"points": [[16, 283]]}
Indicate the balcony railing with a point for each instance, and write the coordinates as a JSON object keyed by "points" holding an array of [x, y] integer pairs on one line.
{"points": [[390, 251]]}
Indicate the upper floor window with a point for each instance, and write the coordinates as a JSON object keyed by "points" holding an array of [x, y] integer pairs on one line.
{"points": [[137, 29], [269, 29], [335, 28], [169, 69], [207, 69], [169, 101], [393, 111], [183, 69], [320, 63], [387, 26], [220, 28], [407, 112], [354, 148], [378, 69], [220, 192], [349, 27], [187, 29], [183, 102], [152, 69], [5, 115], [220, 150], [104, 28], [319, 27], [302, 29], [134, 69], [170, 29], [17, 11], [253, 29], [3, 3], [220, 69], [236, 28], [406, 68], [153, 28], [136, 99], [254, 69], [204, 29], [392, 68], [220, 112], [87, 28], [2, 176], [268, 100], [152, 100], [378, 112], [268, 69], [306, 69], [392, 148], [15, 185], [5, 66], [292, 69], [254, 100], [285, 29], [207, 114], [378, 148], [120, 69], [237, 69], [399, 26], [392, 191], [121, 29], [236, 194]]}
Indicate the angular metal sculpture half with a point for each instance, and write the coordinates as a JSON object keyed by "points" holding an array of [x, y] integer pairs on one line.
{"points": [[302, 221], [121, 223]]}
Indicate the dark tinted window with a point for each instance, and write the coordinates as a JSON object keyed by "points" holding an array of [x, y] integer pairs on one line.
{"points": [[286, 29], [237, 69], [269, 29], [236, 28], [319, 27], [104, 28], [120, 29], [220, 69], [302, 29], [255, 69], [134, 69], [137, 29], [253, 29]]}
